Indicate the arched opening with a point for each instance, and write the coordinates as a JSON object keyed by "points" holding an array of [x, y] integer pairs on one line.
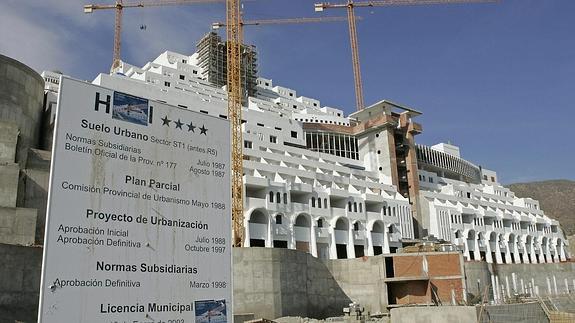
{"points": [[258, 228], [325, 203], [359, 238], [278, 197], [341, 232], [302, 232], [319, 202], [377, 237], [271, 197], [285, 198], [481, 242], [313, 202], [349, 206]]}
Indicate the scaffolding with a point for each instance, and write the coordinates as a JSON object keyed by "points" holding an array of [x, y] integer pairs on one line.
{"points": [[212, 59]]}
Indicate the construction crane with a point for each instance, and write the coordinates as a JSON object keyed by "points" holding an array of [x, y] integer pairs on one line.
{"points": [[350, 5], [217, 25], [119, 6], [234, 88]]}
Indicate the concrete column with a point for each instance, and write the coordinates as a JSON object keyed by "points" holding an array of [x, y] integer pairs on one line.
{"points": [[498, 289], [514, 282], [488, 256], [522, 286], [555, 285], [494, 289], [369, 243], [498, 258], [562, 255], [291, 236], [516, 252], [332, 247], [313, 239], [385, 241], [507, 287], [476, 252], [548, 286], [350, 243], [247, 233], [269, 235], [507, 252]]}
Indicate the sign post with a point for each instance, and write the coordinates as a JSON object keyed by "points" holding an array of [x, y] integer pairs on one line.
{"points": [[138, 225]]}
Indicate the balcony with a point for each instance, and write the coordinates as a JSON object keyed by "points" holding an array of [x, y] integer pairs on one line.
{"points": [[300, 187], [253, 181], [255, 202], [336, 212]]}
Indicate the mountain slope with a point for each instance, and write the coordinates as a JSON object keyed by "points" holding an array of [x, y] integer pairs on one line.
{"points": [[556, 197]]}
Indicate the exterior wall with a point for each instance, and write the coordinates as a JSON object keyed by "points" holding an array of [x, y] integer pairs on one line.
{"points": [[21, 98]]}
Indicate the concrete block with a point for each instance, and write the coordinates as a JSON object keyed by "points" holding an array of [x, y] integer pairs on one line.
{"points": [[9, 177], [17, 226]]}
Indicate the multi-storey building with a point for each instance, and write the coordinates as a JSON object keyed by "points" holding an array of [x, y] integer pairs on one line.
{"points": [[347, 186], [464, 204]]}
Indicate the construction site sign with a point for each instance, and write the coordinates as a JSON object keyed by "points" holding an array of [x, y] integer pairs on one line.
{"points": [[138, 224]]}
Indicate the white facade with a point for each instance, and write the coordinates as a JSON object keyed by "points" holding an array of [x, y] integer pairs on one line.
{"points": [[294, 197], [343, 205], [484, 218]]}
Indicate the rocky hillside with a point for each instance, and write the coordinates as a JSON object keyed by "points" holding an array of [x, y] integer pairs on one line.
{"points": [[557, 199]]}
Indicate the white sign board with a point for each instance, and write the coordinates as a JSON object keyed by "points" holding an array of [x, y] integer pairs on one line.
{"points": [[139, 222]]}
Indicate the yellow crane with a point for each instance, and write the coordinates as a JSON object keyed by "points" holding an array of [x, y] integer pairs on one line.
{"points": [[350, 5], [119, 6], [234, 88]]}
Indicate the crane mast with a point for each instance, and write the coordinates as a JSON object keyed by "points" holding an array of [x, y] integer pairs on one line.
{"points": [[350, 5], [234, 88]]}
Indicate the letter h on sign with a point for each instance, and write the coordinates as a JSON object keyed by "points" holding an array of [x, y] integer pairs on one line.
{"points": [[105, 103]]}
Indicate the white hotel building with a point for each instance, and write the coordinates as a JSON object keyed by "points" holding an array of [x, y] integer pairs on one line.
{"points": [[347, 186]]}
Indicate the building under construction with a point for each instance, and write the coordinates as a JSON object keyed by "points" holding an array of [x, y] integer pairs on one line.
{"points": [[212, 58]]}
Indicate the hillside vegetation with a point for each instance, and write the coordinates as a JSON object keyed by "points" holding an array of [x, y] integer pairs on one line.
{"points": [[557, 199]]}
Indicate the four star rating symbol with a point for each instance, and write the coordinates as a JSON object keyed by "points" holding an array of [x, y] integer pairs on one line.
{"points": [[178, 124]]}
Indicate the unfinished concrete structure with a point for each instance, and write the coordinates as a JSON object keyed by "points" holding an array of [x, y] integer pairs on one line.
{"points": [[212, 59]]}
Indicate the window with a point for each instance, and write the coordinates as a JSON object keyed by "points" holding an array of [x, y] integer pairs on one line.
{"points": [[271, 196], [182, 77], [315, 104], [325, 203], [492, 179], [356, 226], [247, 144], [285, 198], [273, 139], [360, 207], [278, 197], [354, 206], [166, 83], [485, 177], [195, 72], [320, 223], [291, 94], [313, 202], [319, 202], [349, 206], [260, 124], [468, 195], [267, 84], [278, 219], [184, 61], [294, 134], [295, 106], [431, 179]]}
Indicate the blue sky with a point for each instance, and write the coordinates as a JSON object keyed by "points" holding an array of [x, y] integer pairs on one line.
{"points": [[496, 79]]}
